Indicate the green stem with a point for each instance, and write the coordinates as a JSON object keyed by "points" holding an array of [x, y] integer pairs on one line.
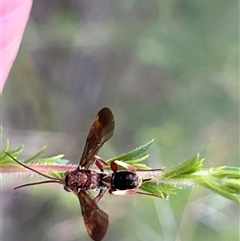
{"points": [[222, 180]]}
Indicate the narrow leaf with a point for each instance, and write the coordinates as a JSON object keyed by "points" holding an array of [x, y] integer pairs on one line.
{"points": [[232, 184], [136, 153], [50, 160], [225, 171], [56, 174], [35, 156], [5, 159], [220, 190], [187, 167]]}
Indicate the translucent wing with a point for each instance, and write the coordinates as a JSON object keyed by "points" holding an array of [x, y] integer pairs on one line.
{"points": [[96, 220], [101, 131]]}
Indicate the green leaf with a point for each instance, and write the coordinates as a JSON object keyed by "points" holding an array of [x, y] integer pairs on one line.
{"points": [[215, 187], [224, 171], [134, 154], [5, 159], [160, 189], [35, 156], [137, 163], [187, 167], [140, 159], [233, 185], [5, 149], [56, 174], [50, 160]]}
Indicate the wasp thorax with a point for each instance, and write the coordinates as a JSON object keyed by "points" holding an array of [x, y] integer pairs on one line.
{"points": [[81, 180]]}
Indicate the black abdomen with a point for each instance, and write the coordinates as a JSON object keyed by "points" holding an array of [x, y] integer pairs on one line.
{"points": [[124, 180]]}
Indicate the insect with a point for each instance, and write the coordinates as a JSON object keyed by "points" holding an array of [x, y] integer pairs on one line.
{"points": [[84, 178]]}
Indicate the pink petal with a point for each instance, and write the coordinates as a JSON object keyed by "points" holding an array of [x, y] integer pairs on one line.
{"points": [[14, 15]]}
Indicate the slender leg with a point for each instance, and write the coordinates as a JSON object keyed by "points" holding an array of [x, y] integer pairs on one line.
{"points": [[149, 194], [98, 161], [91, 203], [101, 160], [99, 165], [100, 195], [152, 170], [130, 191], [119, 192]]}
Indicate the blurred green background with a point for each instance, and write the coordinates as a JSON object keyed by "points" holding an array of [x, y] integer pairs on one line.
{"points": [[168, 70]]}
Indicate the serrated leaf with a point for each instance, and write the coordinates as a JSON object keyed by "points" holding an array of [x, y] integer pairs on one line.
{"points": [[35, 156], [134, 154], [187, 167]]}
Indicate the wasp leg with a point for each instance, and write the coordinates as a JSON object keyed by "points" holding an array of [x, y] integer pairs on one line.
{"points": [[100, 195], [98, 158], [121, 192], [131, 191], [98, 161], [124, 165]]}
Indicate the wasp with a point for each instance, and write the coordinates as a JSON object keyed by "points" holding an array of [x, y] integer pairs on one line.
{"points": [[90, 175]]}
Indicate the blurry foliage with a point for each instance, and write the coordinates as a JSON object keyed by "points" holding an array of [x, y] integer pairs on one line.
{"points": [[169, 70]]}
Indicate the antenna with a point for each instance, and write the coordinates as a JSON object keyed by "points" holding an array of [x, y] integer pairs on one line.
{"points": [[53, 179]]}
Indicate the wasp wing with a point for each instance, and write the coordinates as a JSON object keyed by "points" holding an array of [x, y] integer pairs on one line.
{"points": [[101, 131], [95, 219]]}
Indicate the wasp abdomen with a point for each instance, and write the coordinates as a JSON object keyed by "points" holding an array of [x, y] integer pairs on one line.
{"points": [[124, 180]]}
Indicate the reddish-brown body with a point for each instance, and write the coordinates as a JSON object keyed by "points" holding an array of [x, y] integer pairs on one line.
{"points": [[83, 178]]}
